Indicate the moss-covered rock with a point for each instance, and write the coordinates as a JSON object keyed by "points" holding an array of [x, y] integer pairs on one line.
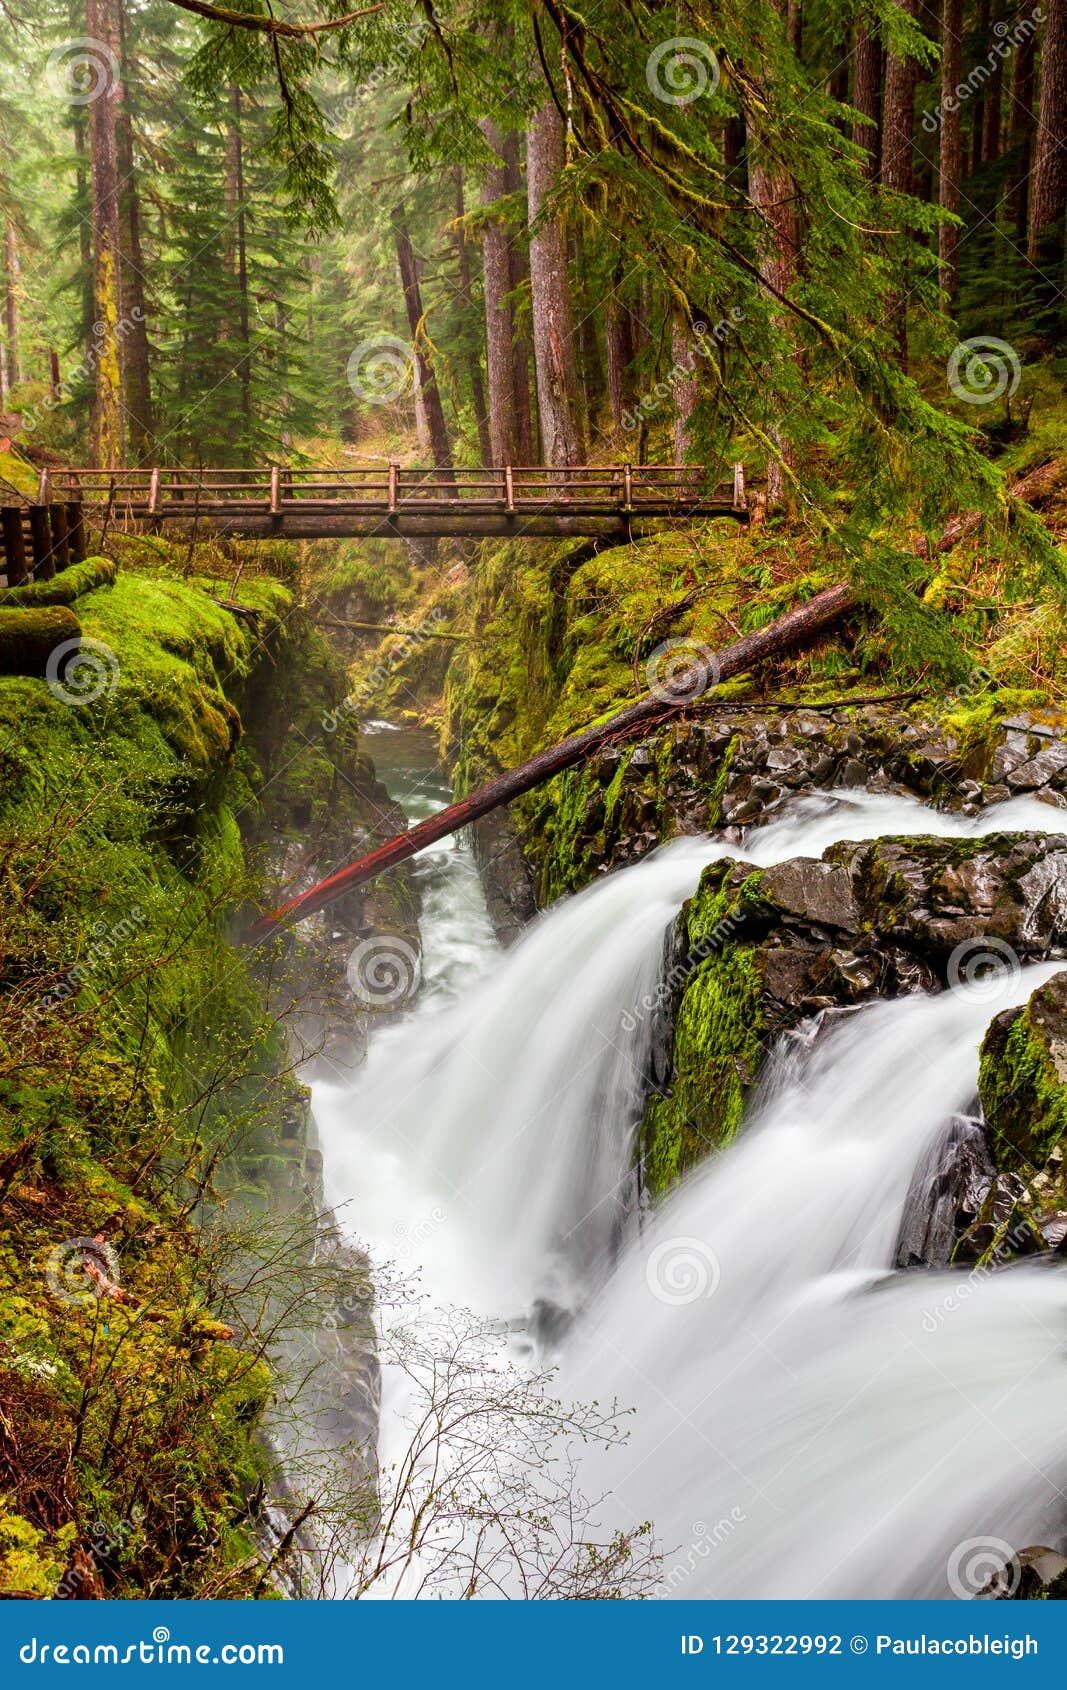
{"points": [[69, 585], [1023, 1078], [755, 952], [28, 638]]}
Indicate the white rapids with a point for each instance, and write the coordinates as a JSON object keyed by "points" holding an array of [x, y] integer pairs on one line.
{"points": [[808, 1424]]}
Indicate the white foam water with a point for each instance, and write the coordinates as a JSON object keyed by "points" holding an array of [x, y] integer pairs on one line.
{"points": [[815, 1426]]}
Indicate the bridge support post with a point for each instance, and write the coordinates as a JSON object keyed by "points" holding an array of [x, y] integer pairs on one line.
{"points": [[41, 544], [76, 532], [14, 545], [60, 542]]}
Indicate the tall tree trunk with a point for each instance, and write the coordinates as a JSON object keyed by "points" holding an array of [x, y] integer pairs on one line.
{"points": [[620, 351], [12, 272], [1023, 83], [431, 393], [771, 192], [899, 116], [107, 430], [951, 151], [136, 371], [686, 387], [991, 115], [499, 319], [80, 126], [898, 123], [463, 260], [553, 322], [235, 195], [977, 103], [867, 93], [1048, 192]]}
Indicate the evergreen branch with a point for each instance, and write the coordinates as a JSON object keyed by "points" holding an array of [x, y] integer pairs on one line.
{"points": [[267, 25]]}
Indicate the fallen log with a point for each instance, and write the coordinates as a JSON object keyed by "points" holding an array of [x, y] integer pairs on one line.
{"points": [[797, 628]]}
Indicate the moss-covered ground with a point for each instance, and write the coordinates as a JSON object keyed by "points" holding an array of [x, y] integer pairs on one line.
{"points": [[142, 1082]]}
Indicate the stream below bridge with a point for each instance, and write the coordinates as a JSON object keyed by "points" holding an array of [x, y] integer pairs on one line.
{"points": [[808, 1421]]}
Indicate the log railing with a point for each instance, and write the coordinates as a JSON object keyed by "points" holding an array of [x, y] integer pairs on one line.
{"points": [[300, 503]]}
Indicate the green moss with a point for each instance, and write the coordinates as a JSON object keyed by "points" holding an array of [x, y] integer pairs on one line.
{"points": [[1023, 1078], [138, 1065], [68, 585], [719, 1030]]}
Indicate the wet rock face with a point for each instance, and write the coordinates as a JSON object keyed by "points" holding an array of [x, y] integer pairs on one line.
{"points": [[1024, 1077], [754, 953], [733, 769], [1023, 1088]]}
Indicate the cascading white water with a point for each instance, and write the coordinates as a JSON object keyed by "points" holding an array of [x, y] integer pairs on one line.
{"points": [[815, 1425], [808, 1424], [493, 1136]]}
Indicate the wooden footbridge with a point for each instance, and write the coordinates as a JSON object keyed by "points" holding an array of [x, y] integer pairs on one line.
{"points": [[612, 502]]}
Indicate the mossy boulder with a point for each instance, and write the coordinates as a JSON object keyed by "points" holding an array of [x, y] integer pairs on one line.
{"points": [[755, 952], [68, 585], [29, 637], [1023, 1078]]}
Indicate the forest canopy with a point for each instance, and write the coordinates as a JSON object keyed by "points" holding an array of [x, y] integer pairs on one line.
{"points": [[825, 239]]}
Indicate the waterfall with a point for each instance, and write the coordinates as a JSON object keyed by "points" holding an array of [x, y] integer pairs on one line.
{"points": [[489, 1139], [807, 1422]]}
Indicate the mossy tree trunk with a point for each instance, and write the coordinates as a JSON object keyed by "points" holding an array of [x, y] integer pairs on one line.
{"points": [[107, 430], [137, 380], [555, 357]]}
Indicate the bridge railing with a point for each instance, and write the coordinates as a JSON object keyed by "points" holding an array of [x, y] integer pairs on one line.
{"points": [[155, 492]]}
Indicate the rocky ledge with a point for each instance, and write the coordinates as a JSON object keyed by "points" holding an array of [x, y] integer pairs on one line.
{"points": [[731, 768], [757, 952]]}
